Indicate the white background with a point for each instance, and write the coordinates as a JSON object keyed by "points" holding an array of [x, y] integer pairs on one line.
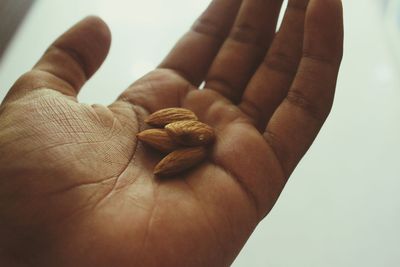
{"points": [[341, 207]]}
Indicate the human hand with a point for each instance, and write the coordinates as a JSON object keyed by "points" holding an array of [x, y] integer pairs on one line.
{"points": [[76, 187]]}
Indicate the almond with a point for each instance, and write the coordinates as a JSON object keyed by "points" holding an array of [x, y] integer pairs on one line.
{"points": [[158, 139], [165, 116], [180, 160], [190, 133]]}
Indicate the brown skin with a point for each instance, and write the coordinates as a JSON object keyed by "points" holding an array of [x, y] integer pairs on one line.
{"points": [[77, 189]]}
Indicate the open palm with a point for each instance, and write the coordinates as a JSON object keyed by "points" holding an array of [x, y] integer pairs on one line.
{"points": [[76, 187]]}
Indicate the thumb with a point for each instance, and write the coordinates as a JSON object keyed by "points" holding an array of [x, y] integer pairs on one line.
{"points": [[70, 61]]}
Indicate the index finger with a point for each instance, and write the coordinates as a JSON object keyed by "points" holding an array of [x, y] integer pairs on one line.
{"points": [[195, 51]]}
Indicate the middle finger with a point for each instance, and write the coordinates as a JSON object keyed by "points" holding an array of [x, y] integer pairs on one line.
{"points": [[245, 48]]}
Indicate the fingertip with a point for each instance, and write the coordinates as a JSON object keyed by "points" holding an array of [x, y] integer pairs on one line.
{"points": [[323, 11], [102, 34], [100, 27], [324, 29]]}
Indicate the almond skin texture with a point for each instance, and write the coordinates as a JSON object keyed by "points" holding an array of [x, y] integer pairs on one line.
{"points": [[158, 139], [190, 133], [165, 116], [180, 160]]}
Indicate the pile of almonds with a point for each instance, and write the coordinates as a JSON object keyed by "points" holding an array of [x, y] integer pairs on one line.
{"points": [[179, 133]]}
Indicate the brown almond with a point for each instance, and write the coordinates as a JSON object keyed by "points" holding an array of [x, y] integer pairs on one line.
{"points": [[158, 139], [165, 116], [190, 133], [180, 160]]}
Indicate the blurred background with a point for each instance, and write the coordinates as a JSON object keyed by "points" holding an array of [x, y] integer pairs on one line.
{"points": [[341, 206]]}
